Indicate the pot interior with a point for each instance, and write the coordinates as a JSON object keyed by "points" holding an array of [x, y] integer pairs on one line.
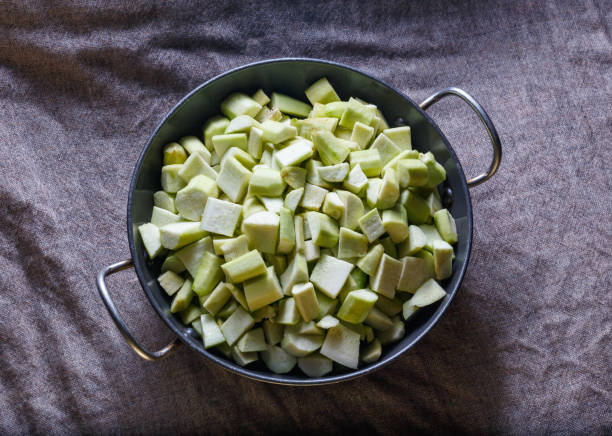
{"points": [[292, 77]]}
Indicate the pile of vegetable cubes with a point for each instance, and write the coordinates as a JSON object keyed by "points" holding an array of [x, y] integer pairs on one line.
{"points": [[300, 234]]}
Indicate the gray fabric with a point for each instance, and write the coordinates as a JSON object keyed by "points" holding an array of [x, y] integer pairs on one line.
{"points": [[524, 348]]}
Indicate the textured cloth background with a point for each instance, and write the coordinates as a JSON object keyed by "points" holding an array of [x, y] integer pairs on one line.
{"points": [[525, 346]]}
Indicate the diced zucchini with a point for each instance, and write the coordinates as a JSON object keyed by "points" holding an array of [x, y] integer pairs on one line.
{"points": [[170, 282], [151, 239], [371, 225], [244, 267], [321, 91], [170, 180], [190, 200], [191, 255], [329, 275], [289, 105], [341, 345], [262, 290], [278, 360], [174, 153], [208, 275], [262, 230], [305, 300], [164, 200], [239, 104], [233, 179], [387, 276], [236, 325], [177, 235], [357, 305]]}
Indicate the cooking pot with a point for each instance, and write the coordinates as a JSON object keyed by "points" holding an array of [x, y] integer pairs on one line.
{"points": [[292, 76]]}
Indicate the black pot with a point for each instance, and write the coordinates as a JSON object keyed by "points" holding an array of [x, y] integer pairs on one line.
{"points": [[292, 76]]}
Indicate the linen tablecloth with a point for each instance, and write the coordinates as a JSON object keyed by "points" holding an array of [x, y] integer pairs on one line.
{"points": [[524, 348]]}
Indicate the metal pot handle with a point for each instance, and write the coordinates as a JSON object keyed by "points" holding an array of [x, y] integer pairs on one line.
{"points": [[123, 329], [486, 121]]}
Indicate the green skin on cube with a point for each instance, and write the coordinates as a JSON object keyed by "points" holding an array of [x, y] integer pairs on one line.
{"points": [[436, 173], [290, 105], [389, 246], [242, 268], [321, 91], [308, 126], [378, 320], [217, 298], [446, 226], [372, 352], [286, 239], [173, 263], [412, 172], [357, 305], [208, 275], [190, 314]]}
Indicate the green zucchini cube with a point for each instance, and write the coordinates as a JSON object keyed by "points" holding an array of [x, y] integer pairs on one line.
{"points": [[357, 305], [220, 217]]}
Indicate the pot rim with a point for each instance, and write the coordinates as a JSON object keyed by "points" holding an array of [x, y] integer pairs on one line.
{"points": [[271, 377]]}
